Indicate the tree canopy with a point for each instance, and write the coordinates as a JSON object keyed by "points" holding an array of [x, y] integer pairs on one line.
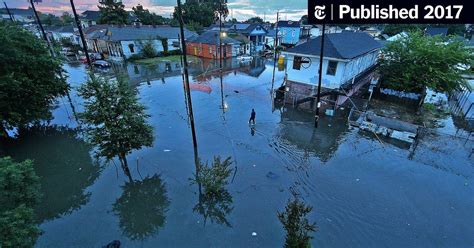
{"points": [[416, 62], [198, 14], [298, 228], [18, 195], [112, 12], [146, 17], [116, 121], [255, 19], [29, 78]]}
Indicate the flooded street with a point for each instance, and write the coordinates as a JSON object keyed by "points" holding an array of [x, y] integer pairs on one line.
{"points": [[364, 192]]}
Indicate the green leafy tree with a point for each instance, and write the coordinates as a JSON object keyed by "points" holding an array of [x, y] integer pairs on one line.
{"points": [[304, 20], [146, 17], [298, 228], [142, 207], [112, 12], [255, 19], [393, 29], [417, 62], [67, 18], [214, 201], [148, 50], [116, 121], [50, 20], [29, 78], [203, 13], [18, 195]]}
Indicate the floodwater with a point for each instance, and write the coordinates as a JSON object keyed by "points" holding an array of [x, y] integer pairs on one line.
{"points": [[364, 193]]}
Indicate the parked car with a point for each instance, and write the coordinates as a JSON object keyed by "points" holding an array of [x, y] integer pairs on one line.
{"points": [[83, 59], [101, 64]]}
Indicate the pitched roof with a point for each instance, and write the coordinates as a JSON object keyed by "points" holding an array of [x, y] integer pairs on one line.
{"points": [[92, 15], [61, 29], [345, 45], [211, 37], [288, 24], [16, 11], [436, 31], [117, 33]]}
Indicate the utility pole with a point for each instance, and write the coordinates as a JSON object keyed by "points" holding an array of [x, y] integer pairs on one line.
{"points": [[186, 75], [275, 43], [39, 22], [8, 11], [318, 99], [78, 23], [220, 56]]}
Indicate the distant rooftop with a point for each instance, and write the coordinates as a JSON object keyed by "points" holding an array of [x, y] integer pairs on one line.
{"points": [[288, 24], [144, 32], [346, 45], [436, 31], [16, 11], [211, 37]]}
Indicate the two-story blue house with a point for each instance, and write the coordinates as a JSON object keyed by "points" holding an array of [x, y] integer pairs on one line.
{"points": [[290, 32], [348, 63]]}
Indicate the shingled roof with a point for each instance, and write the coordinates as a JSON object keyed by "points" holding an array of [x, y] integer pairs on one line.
{"points": [[346, 45], [431, 31], [211, 37], [116, 33]]}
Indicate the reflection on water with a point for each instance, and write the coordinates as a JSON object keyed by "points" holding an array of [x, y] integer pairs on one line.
{"points": [[62, 161], [200, 69], [142, 207], [298, 129], [215, 202]]}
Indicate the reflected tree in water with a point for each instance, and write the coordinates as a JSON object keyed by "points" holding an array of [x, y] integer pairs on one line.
{"points": [[63, 163], [142, 207], [214, 199], [116, 121], [298, 228]]}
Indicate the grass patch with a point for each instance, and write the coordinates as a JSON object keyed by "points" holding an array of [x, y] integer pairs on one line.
{"points": [[157, 60]]}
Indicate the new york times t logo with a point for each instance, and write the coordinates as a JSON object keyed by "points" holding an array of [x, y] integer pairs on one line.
{"points": [[319, 12]]}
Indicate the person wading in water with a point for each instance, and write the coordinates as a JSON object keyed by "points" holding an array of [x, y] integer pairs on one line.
{"points": [[252, 117]]}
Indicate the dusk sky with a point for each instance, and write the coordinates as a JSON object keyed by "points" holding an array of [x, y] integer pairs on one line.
{"points": [[240, 9]]}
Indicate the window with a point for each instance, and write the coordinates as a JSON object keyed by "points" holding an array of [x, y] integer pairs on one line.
{"points": [[210, 50], [132, 49], [332, 68], [297, 63]]}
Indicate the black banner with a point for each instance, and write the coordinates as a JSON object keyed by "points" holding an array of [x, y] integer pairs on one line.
{"points": [[398, 12]]}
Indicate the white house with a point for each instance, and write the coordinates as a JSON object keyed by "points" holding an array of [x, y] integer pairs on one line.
{"points": [[63, 32], [348, 60], [118, 42]]}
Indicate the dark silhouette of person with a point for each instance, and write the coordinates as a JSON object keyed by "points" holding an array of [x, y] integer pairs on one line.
{"points": [[252, 117]]}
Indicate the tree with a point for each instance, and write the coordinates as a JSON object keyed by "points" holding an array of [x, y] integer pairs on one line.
{"points": [[215, 202], [203, 13], [112, 12], [393, 29], [29, 78], [142, 207], [147, 18], [50, 20], [304, 20], [67, 18], [116, 121], [148, 51], [417, 62], [18, 195], [254, 19], [297, 226]]}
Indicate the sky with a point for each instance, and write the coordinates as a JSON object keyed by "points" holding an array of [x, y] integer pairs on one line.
{"points": [[239, 9]]}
